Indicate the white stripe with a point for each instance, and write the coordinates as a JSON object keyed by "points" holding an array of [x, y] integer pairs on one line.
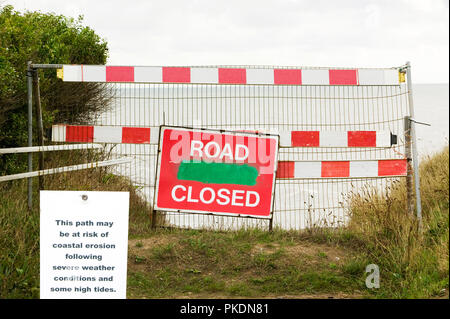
{"points": [[371, 77], [108, 134], [285, 138], [315, 77], [148, 74], [333, 139], [72, 73], [363, 168], [154, 135], [307, 169], [391, 77], [49, 148], [383, 139], [94, 73], [58, 133], [260, 76], [65, 169], [204, 75]]}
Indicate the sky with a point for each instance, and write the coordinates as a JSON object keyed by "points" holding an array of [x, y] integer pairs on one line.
{"points": [[322, 33]]}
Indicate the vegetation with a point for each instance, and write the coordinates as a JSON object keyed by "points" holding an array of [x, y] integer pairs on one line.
{"points": [[19, 227], [320, 263], [44, 38], [245, 263], [414, 262], [53, 39]]}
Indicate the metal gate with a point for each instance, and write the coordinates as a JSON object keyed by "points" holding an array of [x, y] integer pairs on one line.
{"points": [[341, 129]]}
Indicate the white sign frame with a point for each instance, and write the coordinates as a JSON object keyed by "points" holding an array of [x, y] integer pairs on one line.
{"points": [[98, 221]]}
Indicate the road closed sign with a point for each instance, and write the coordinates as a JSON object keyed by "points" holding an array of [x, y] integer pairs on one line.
{"points": [[207, 171]]}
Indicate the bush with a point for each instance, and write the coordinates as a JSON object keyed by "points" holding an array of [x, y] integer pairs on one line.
{"points": [[44, 38]]}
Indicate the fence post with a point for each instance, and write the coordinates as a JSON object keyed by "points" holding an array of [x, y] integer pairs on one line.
{"points": [[414, 145], [40, 125], [409, 168], [30, 132], [153, 218]]}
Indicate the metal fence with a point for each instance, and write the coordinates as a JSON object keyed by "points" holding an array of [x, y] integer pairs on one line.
{"points": [[378, 101]]}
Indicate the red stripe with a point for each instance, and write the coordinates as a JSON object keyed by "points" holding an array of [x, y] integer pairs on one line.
{"points": [[343, 77], [176, 75], [336, 169], [136, 135], [232, 76], [120, 74], [362, 138], [391, 167], [286, 76], [285, 169], [79, 133], [305, 139]]}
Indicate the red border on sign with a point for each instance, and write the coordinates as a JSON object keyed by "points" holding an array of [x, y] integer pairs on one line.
{"points": [[170, 196]]}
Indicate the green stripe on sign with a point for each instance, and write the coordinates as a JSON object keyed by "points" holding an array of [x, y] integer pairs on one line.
{"points": [[217, 173]]}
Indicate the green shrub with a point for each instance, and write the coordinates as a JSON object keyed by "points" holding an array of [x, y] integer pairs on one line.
{"points": [[44, 38]]}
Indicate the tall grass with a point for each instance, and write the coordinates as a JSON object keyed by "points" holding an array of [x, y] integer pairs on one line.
{"points": [[413, 261], [19, 227], [19, 243]]}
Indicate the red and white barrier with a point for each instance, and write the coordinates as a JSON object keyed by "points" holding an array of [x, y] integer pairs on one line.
{"points": [[341, 169], [214, 75], [336, 139], [286, 169], [150, 135], [105, 134]]}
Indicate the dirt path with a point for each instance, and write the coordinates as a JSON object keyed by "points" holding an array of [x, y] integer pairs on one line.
{"points": [[220, 265]]}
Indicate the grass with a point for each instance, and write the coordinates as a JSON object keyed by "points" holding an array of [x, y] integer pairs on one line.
{"points": [[19, 244], [414, 262], [175, 263], [19, 227], [247, 263]]}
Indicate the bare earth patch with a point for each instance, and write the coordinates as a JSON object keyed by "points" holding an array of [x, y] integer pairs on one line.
{"points": [[144, 244], [302, 296], [334, 254], [172, 251]]}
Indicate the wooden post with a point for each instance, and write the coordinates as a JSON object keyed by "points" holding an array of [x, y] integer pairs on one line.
{"points": [[153, 212], [409, 169], [415, 156]]}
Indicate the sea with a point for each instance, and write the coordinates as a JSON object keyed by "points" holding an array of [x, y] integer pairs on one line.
{"points": [[431, 106]]}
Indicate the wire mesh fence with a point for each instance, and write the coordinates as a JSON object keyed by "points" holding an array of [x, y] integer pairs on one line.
{"points": [[299, 203]]}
